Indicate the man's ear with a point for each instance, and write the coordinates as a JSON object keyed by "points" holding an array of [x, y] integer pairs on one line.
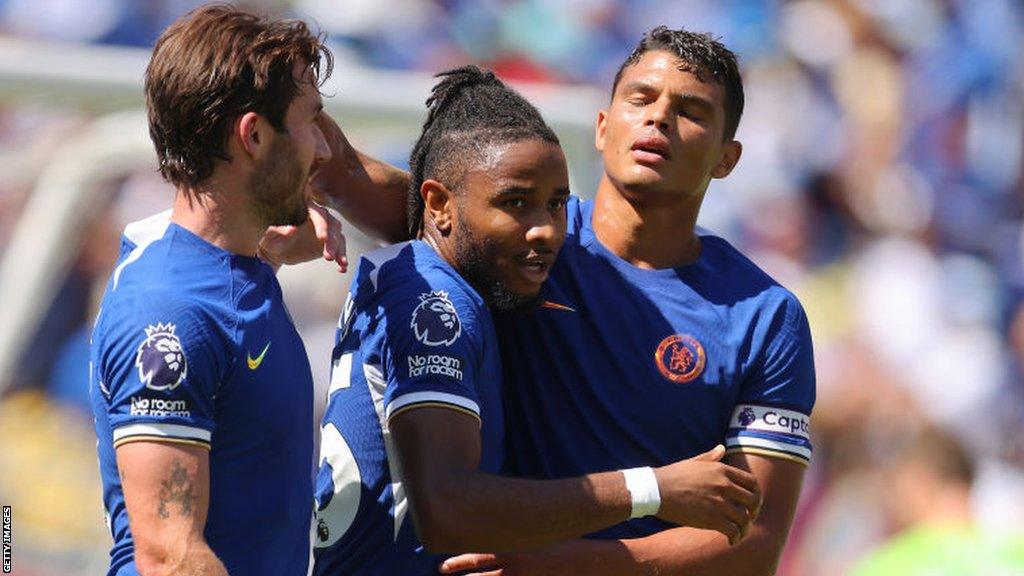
{"points": [[731, 153], [250, 134], [438, 205], [602, 118]]}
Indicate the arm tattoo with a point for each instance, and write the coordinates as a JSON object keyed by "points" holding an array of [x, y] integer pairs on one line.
{"points": [[176, 489]]}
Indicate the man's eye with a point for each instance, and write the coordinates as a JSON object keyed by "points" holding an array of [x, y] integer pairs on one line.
{"points": [[515, 202], [685, 113]]}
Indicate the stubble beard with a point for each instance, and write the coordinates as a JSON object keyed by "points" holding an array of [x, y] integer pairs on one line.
{"points": [[276, 187], [475, 260]]}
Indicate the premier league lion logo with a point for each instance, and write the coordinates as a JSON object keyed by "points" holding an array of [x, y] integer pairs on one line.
{"points": [[435, 321], [747, 417], [160, 358]]}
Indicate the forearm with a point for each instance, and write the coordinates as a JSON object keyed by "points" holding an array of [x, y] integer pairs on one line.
{"points": [[692, 552], [680, 551], [194, 560], [696, 552], [685, 551], [166, 490], [368, 193], [477, 511], [375, 199]]}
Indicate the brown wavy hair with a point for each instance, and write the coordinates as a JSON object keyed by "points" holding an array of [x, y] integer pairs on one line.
{"points": [[213, 65]]}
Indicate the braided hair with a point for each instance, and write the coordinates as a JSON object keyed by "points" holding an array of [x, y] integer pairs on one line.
{"points": [[469, 110]]}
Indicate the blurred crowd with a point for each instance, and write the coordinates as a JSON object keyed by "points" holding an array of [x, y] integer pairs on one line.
{"points": [[881, 181]]}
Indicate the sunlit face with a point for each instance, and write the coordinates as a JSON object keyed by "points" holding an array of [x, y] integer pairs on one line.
{"points": [[663, 132], [509, 220], [280, 183]]}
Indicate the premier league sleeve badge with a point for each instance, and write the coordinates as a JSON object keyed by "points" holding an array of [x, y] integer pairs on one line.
{"points": [[160, 358]]}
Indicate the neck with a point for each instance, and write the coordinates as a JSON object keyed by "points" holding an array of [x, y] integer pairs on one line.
{"points": [[649, 234], [441, 244], [220, 215]]}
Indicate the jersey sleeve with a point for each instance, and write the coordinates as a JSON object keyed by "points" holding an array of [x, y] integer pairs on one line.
{"points": [[160, 365], [433, 346], [772, 414]]}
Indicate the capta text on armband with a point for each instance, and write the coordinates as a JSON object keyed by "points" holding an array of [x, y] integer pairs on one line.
{"points": [[7, 539]]}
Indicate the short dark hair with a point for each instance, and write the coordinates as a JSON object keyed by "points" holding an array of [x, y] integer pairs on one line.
{"points": [[468, 110], [702, 55], [212, 65]]}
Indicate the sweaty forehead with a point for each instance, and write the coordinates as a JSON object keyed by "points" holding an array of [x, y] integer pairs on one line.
{"points": [[659, 67]]}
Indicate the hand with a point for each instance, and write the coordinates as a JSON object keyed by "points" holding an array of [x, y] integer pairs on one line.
{"points": [[580, 556], [484, 564], [320, 235], [702, 492], [511, 564]]}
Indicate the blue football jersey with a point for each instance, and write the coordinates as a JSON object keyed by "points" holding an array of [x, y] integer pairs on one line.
{"points": [[623, 367], [193, 344], [413, 333]]}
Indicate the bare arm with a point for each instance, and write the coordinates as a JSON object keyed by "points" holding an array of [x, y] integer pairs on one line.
{"points": [[681, 551], [167, 491], [369, 193], [457, 508], [699, 552]]}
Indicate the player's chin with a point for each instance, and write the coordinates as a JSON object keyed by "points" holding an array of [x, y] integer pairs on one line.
{"points": [[524, 296], [509, 293], [650, 187], [641, 176], [294, 215]]}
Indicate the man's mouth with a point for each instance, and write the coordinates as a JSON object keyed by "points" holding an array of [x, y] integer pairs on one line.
{"points": [[650, 150], [535, 267]]}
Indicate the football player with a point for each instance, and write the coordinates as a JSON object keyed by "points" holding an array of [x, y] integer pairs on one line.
{"points": [[656, 339], [413, 435], [200, 385]]}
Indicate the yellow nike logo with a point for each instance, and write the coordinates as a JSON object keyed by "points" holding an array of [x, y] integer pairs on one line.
{"points": [[254, 363], [556, 306]]}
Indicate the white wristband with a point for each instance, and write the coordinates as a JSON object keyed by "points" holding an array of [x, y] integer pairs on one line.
{"points": [[643, 489]]}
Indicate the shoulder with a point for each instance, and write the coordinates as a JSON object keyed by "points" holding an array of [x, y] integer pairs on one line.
{"points": [[160, 315], [412, 272], [734, 274], [148, 229], [724, 258], [407, 293], [136, 239], [160, 259], [163, 285], [574, 215]]}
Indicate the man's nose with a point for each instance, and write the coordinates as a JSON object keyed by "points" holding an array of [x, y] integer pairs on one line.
{"points": [[323, 153], [544, 230], [658, 113]]}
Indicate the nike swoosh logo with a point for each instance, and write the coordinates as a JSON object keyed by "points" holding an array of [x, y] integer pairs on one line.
{"points": [[556, 306], [254, 363]]}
